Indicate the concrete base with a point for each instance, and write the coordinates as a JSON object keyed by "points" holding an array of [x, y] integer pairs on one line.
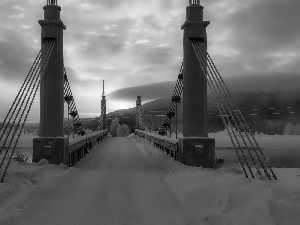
{"points": [[197, 151], [55, 150]]}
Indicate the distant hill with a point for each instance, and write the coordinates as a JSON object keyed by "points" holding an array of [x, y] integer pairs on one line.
{"points": [[252, 91], [245, 83], [245, 99]]}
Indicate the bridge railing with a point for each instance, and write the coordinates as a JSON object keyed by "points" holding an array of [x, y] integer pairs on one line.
{"points": [[166, 144], [81, 146]]}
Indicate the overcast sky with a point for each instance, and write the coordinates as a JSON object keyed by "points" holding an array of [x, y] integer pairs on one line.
{"points": [[134, 42]]}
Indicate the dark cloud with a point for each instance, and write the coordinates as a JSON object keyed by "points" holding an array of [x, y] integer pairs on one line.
{"points": [[133, 42], [95, 42], [111, 4], [250, 82], [262, 29], [152, 55], [148, 92], [77, 82], [152, 22], [101, 45], [264, 82], [16, 56], [274, 20], [158, 55]]}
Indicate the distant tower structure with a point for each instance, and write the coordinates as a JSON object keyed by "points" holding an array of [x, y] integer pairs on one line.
{"points": [[196, 149], [51, 144], [103, 109], [138, 112]]}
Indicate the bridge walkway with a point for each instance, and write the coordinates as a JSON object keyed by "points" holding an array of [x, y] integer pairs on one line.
{"points": [[117, 183]]}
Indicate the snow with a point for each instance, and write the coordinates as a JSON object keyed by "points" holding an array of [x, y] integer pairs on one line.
{"points": [[225, 196], [129, 181], [85, 137], [21, 180]]}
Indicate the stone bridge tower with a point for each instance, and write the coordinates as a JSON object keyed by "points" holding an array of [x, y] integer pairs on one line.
{"points": [[196, 149], [103, 109], [138, 112], [52, 145]]}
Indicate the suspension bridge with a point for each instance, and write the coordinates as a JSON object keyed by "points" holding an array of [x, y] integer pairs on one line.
{"points": [[197, 74]]}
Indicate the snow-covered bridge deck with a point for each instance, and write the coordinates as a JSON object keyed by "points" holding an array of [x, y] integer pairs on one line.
{"points": [[115, 184]]}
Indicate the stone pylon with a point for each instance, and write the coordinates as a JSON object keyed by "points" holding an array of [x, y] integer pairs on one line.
{"points": [[196, 149], [138, 111], [103, 109], [52, 145]]}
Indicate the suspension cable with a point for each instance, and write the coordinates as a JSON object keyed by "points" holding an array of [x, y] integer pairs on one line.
{"points": [[228, 100], [245, 128], [172, 106], [225, 116], [72, 105], [230, 104], [24, 96], [21, 90], [224, 100], [43, 64]]}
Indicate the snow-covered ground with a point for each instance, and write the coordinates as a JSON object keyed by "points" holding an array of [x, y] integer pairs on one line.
{"points": [[199, 196], [224, 196]]}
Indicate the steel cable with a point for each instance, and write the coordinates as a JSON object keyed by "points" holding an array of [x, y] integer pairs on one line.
{"points": [[247, 127], [20, 95], [226, 121], [239, 116], [213, 81], [30, 100], [224, 100], [228, 103], [72, 105], [19, 110], [20, 105], [177, 92]]}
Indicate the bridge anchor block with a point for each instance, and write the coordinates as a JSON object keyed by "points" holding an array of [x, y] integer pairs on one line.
{"points": [[50, 148], [197, 151]]}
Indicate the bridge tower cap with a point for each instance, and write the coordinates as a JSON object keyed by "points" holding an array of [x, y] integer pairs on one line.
{"points": [[139, 98], [194, 2], [51, 2], [103, 93]]}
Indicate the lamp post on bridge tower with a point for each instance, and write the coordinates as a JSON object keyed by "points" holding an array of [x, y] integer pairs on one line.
{"points": [[195, 148], [51, 144]]}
